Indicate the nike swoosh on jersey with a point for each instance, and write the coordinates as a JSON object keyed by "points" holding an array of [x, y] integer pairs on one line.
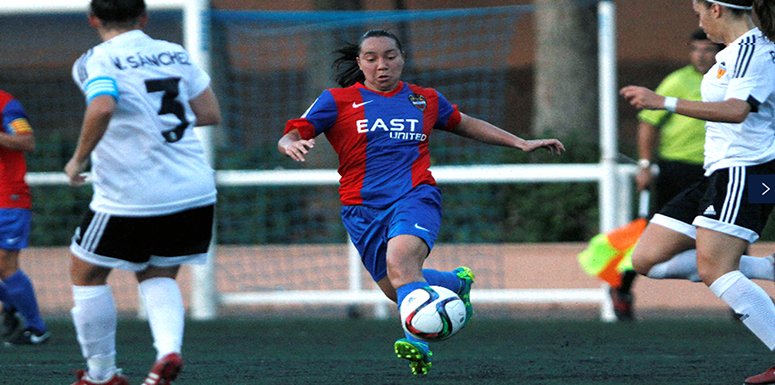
{"points": [[357, 105]]}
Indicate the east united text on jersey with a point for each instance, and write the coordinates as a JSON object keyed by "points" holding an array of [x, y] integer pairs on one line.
{"points": [[396, 128], [155, 59]]}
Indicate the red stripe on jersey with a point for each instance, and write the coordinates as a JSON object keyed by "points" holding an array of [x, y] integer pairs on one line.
{"points": [[306, 129], [350, 146], [454, 119], [4, 99], [420, 172], [14, 192]]}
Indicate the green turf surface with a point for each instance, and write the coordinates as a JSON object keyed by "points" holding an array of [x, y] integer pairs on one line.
{"points": [[488, 351]]}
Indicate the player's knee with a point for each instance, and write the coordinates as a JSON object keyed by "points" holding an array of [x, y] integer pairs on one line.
{"points": [[9, 264], [641, 262], [709, 269], [157, 272]]}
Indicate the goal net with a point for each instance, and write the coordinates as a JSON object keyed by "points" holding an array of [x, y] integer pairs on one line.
{"points": [[279, 237]]}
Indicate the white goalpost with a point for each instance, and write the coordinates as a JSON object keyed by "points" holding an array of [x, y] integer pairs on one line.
{"points": [[615, 191], [356, 294]]}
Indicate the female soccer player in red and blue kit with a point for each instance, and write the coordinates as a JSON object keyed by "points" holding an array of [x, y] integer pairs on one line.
{"points": [[16, 291], [380, 126]]}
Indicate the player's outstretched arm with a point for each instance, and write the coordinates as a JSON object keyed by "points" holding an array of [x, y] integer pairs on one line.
{"points": [[95, 123], [485, 132], [19, 142], [727, 111], [291, 144], [206, 108]]}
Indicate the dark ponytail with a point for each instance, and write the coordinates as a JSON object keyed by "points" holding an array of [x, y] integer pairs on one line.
{"points": [[346, 64], [765, 11]]}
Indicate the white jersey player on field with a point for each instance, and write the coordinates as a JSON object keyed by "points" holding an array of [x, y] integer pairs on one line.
{"points": [[154, 192], [744, 70], [720, 215]]}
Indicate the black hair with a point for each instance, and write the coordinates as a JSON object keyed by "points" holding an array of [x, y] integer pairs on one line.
{"points": [[700, 35], [735, 11], [346, 64], [118, 11], [765, 11]]}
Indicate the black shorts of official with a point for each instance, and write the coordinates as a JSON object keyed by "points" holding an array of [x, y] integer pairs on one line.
{"points": [[133, 243], [719, 202]]}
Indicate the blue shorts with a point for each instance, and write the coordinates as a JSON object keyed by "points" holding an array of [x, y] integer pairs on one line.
{"points": [[417, 213], [15, 228]]}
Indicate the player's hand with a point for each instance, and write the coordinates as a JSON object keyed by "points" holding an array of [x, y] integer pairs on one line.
{"points": [[643, 98], [75, 171], [298, 148], [644, 179], [554, 146]]}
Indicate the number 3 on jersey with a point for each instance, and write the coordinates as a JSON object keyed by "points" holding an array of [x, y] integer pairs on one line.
{"points": [[169, 105]]}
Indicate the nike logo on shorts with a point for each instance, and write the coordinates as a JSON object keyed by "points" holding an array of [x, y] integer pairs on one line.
{"points": [[417, 226]]}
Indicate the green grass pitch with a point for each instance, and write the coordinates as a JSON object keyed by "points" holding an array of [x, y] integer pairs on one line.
{"points": [[488, 351]]}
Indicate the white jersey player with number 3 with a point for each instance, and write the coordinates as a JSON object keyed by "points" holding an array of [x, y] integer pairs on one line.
{"points": [[147, 144], [154, 191]]}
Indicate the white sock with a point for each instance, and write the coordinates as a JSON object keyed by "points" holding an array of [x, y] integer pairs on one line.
{"points": [[684, 266], [751, 302], [681, 266], [94, 316], [166, 314], [757, 268]]}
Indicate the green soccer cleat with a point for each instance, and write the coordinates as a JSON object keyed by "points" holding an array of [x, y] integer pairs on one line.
{"points": [[467, 276], [418, 355]]}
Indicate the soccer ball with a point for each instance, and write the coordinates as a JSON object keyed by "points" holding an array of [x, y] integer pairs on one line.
{"points": [[432, 313]]}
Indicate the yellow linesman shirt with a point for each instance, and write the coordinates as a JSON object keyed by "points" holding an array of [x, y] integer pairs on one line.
{"points": [[681, 138]]}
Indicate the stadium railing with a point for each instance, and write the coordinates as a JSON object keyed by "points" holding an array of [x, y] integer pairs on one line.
{"points": [[356, 294]]}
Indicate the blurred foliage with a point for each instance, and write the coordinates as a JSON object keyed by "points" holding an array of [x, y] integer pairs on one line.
{"points": [[524, 212]]}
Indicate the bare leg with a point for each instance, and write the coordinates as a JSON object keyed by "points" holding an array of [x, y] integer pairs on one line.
{"points": [[658, 244], [405, 257]]}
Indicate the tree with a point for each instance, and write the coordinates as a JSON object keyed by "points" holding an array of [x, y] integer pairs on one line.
{"points": [[566, 95], [320, 74]]}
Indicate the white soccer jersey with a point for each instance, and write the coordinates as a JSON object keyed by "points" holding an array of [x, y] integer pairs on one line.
{"points": [[149, 161], [744, 70]]}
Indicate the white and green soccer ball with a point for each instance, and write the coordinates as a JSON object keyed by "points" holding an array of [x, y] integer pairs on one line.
{"points": [[432, 313]]}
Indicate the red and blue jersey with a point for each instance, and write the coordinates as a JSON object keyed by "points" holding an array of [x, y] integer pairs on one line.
{"points": [[381, 138], [14, 192]]}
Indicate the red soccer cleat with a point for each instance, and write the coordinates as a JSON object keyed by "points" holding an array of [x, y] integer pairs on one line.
{"points": [[165, 370], [84, 379], [767, 377]]}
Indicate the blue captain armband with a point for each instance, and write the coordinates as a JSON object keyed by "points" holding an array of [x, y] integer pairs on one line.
{"points": [[101, 86]]}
